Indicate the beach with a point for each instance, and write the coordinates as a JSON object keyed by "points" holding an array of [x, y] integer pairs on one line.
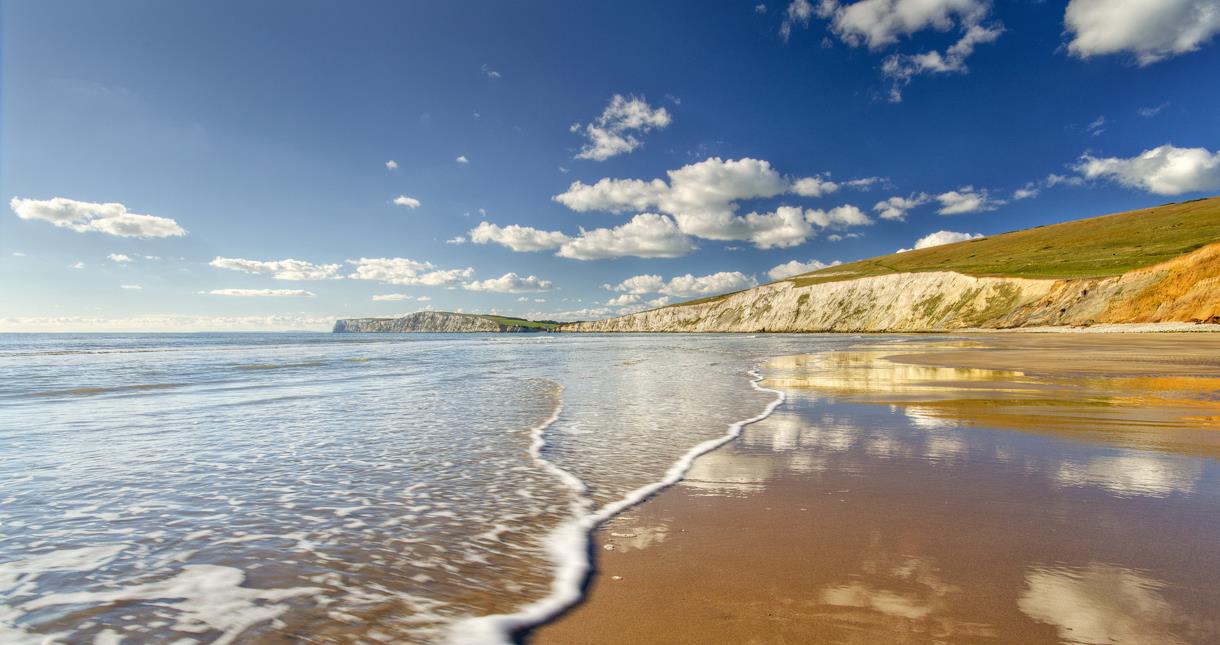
{"points": [[985, 488]]}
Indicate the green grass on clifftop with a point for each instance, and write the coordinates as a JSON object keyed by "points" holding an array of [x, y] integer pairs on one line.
{"points": [[1086, 248], [521, 322]]}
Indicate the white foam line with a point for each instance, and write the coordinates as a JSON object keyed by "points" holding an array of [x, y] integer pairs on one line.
{"points": [[568, 545]]}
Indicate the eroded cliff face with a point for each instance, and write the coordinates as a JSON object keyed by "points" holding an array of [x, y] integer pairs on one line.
{"points": [[422, 321], [1185, 289]]}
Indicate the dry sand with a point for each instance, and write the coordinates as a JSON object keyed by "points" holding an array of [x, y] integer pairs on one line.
{"points": [[1009, 488]]}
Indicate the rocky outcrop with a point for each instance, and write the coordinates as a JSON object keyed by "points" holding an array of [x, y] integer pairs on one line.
{"points": [[428, 321], [1184, 289]]}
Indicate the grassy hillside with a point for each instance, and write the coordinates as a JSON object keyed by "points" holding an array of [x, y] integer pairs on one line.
{"points": [[1094, 247], [521, 322]]}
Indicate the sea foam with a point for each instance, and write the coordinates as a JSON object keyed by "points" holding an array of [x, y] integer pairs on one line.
{"points": [[569, 544]]}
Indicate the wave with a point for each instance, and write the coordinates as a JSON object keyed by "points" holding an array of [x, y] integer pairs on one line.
{"points": [[569, 544]]}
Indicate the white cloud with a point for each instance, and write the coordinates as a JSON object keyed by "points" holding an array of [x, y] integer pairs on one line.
{"points": [[941, 237], [839, 216], [896, 207], [462, 159], [685, 286], [391, 165], [702, 198], [423, 298], [390, 297], [405, 271], [1028, 191], [796, 267], [623, 300], [459, 239], [77, 265], [409, 202], [119, 257], [647, 235], [111, 218], [1150, 30], [130, 287], [1096, 126], [967, 200], [815, 186], [511, 283], [263, 293], [797, 14], [901, 68], [491, 73], [760, 8], [1165, 170], [279, 269], [878, 24], [1151, 111], [516, 237], [18, 254], [618, 128], [638, 284]]}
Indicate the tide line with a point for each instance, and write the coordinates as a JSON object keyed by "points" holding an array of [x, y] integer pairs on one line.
{"points": [[568, 544]]}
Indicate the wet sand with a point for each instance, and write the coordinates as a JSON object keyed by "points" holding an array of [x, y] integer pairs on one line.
{"points": [[1007, 488]]}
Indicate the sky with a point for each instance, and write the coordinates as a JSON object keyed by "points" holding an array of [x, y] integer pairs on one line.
{"points": [[273, 165]]}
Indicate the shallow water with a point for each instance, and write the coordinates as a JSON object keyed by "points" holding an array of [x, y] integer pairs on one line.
{"points": [[281, 486], [897, 521]]}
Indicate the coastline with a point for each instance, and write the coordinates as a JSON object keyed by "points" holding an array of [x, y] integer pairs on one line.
{"points": [[894, 499]]}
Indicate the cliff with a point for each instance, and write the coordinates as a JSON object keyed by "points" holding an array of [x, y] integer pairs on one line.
{"points": [[1164, 266], [439, 322]]}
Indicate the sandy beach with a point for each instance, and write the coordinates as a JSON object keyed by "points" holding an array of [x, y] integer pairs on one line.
{"points": [[993, 488]]}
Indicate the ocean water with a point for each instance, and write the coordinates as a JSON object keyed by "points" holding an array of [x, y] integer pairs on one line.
{"points": [[333, 488]]}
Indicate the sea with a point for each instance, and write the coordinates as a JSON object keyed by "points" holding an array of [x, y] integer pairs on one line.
{"points": [[340, 487]]}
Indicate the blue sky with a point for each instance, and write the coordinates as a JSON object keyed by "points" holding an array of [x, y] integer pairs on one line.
{"points": [[748, 140]]}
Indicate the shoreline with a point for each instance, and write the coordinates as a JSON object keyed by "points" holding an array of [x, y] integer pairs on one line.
{"points": [[712, 557], [571, 544]]}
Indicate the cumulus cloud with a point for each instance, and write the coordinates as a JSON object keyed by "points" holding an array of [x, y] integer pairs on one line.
{"points": [[702, 199], [685, 286], [941, 237], [263, 293], [1165, 170], [462, 159], [111, 218], [119, 257], [516, 237], [390, 297], [967, 199], [405, 271], [279, 269], [879, 24], [457, 239], [77, 265], [391, 165], [409, 202], [1149, 30], [623, 300], [647, 235], [896, 207], [131, 287], [491, 73], [511, 283], [618, 129], [796, 267], [839, 216]]}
